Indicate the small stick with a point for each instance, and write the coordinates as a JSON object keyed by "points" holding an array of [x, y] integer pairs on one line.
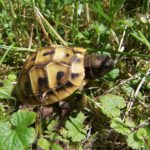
{"points": [[87, 13], [123, 82], [24, 12], [144, 123], [38, 18], [31, 36], [120, 48], [17, 48], [141, 83], [134, 94], [38, 13]]}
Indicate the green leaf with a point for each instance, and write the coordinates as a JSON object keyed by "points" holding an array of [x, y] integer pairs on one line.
{"points": [[64, 133], [98, 8], [143, 19], [111, 105], [6, 90], [55, 146], [128, 90], [75, 128], [113, 74], [23, 118], [43, 144], [52, 125], [132, 141], [141, 37], [19, 138], [119, 126], [99, 28], [2, 2], [140, 139], [129, 122], [129, 22], [55, 136], [3, 113], [115, 6], [12, 77], [144, 133]]}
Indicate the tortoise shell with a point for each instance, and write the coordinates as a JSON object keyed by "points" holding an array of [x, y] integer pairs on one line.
{"points": [[51, 74]]}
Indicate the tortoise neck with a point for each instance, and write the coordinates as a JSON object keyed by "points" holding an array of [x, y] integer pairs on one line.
{"points": [[88, 69]]}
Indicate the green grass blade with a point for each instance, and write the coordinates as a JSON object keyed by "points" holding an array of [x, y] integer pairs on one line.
{"points": [[139, 36], [5, 54]]}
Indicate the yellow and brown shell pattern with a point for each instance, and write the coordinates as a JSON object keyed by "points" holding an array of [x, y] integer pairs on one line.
{"points": [[51, 74]]}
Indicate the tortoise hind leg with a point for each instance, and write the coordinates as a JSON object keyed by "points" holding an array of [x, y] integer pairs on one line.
{"points": [[75, 102]]}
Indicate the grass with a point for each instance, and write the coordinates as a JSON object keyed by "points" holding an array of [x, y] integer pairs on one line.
{"points": [[120, 29]]}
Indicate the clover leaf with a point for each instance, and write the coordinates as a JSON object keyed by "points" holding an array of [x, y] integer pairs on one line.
{"points": [[139, 139], [23, 118], [75, 128], [111, 105], [119, 126], [6, 90], [15, 134], [43, 143]]}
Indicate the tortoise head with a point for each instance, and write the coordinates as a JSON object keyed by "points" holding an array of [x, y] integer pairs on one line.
{"points": [[97, 65]]}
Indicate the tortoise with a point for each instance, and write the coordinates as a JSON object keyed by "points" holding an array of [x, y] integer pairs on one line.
{"points": [[54, 73]]}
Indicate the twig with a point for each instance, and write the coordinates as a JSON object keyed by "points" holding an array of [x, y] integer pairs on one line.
{"points": [[120, 48], [144, 123], [5, 54], [87, 13], [38, 18], [24, 13], [17, 48], [31, 36], [141, 83], [38, 13], [123, 82], [134, 94], [96, 104], [129, 106]]}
